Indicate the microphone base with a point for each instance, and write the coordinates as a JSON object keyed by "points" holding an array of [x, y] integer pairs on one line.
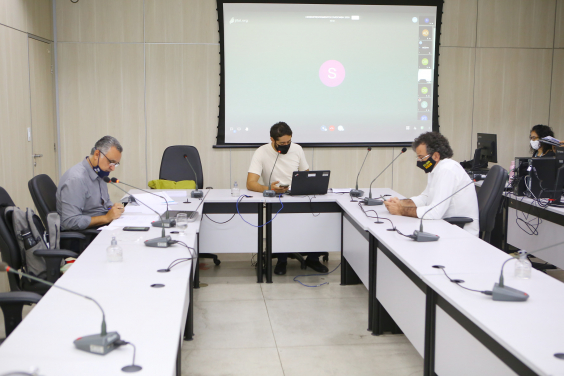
{"points": [[197, 194], [166, 223], [97, 343], [162, 242], [372, 201], [420, 236], [269, 193], [356, 193], [508, 294]]}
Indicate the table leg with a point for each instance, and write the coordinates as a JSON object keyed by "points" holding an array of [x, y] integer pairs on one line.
{"points": [[197, 261], [372, 259], [260, 259], [430, 322], [268, 260], [189, 327]]}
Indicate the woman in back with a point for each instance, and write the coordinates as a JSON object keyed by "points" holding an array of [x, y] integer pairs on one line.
{"points": [[539, 148]]}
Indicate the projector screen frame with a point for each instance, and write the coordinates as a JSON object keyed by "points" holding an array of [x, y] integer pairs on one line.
{"points": [[220, 138]]}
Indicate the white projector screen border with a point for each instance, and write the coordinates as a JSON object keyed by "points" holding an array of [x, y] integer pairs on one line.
{"points": [[221, 129]]}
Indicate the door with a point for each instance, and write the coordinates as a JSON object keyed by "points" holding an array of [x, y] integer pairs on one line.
{"points": [[43, 122]]}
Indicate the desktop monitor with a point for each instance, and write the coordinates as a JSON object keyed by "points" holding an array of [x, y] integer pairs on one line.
{"points": [[487, 143], [543, 173]]}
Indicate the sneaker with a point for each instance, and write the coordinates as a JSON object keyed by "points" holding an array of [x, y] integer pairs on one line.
{"points": [[280, 268]]}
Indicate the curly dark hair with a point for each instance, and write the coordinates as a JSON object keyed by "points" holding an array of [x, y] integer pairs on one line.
{"points": [[280, 129], [435, 142], [542, 131]]}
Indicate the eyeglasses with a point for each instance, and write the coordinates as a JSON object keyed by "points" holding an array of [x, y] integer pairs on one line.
{"points": [[112, 163], [284, 143], [534, 138], [423, 158]]}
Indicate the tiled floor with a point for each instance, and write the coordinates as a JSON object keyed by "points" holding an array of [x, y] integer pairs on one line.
{"points": [[284, 328]]}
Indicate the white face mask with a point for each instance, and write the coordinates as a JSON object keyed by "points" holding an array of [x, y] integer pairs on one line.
{"points": [[535, 144]]}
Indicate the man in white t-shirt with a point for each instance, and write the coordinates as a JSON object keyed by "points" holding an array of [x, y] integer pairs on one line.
{"points": [[445, 177], [274, 163]]}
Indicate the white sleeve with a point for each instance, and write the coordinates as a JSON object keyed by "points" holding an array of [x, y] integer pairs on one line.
{"points": [[444, 186], [303, 163], [256, 163]]}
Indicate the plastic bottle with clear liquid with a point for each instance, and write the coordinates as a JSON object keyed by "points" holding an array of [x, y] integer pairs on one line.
{"points": [[235, 190], [523, 266], [114, 251]]}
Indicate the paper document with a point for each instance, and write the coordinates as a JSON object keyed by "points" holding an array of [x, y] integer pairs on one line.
{"points": [[177, 193], [551, 140], [341, 190]]}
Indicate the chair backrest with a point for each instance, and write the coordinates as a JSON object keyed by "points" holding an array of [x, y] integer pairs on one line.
{"points": [[175, 168], [8, 244], [44, 194], [489, 197]]}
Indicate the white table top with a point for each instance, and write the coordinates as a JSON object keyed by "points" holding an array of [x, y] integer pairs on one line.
{"points": [[151, 318], [532, 331]]}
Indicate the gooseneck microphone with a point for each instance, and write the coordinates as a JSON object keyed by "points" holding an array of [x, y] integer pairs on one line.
{"points": [[356, 192], [421, 236], [369, 201], [165, 240], [168, 222], [196, 193], [101, 343], [269, 192]]}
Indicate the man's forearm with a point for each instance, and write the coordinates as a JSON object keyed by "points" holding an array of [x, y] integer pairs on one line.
{"points": [[408, 203], [409, 211], [98, 221], [255, 186]]}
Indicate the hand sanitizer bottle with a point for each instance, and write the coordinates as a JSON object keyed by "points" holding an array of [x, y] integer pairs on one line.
{"points": [[523, 266], [235, 190], [114, 251]]}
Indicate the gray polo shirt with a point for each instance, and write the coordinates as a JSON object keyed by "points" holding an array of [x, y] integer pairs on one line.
{"points": [[81, 194]]}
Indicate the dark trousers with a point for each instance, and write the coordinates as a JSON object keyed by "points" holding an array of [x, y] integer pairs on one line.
{"points": [[283, 257]]}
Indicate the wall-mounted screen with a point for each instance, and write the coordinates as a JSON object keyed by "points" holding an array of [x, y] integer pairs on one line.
{"points": [[339, 75]]}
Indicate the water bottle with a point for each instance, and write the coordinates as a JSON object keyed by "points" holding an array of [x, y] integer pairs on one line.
{"points": [[511, 171], [235, 190], [114, 251], [523, 266]]}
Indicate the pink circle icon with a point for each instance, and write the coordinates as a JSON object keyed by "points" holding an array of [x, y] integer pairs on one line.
{"points": [[332, 73], [331, 128]]}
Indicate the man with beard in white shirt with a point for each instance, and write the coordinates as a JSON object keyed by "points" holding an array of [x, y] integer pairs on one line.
{"points": [[275, 162], [445, 176]]}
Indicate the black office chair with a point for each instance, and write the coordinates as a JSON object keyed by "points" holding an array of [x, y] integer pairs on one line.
{"points": [[11, 304], [10, 252], [489, 201], [175, 168], [43, 192]]}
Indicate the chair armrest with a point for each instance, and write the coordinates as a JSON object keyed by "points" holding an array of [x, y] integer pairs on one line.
{"points": [[459, 221], [53, 260], [90, 231], [19, 297], [51, 253], [72, 235], [209, 187]]}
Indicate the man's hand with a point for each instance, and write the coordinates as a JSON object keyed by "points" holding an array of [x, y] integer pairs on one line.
{"points": [[115, 212], [278, 189], [393, 205]]}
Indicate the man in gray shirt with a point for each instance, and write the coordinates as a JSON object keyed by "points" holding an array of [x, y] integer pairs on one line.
{"points": [[82, 196]]}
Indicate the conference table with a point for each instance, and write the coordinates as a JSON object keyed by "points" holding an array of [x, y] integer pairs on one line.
{"points": [[152, 310], [456, 331]]}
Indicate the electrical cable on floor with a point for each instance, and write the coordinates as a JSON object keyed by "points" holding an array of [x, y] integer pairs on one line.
{"points": [[313, 275]]}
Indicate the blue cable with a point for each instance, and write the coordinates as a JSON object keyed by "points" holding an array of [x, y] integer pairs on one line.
{"points": [[237, 206], [313, 275]]}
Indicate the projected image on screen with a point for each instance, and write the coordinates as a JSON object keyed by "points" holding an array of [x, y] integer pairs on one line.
{"points": [[334, 73]]}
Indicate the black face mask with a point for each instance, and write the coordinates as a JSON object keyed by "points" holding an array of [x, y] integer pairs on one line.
{"points": [[427, 165], [283, 149]]}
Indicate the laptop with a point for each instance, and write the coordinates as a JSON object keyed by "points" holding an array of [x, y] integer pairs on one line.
{"points": [[310, 183]]}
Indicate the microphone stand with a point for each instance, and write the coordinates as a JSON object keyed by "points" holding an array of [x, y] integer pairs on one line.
{"points": [[421, 236], [165, 240], [357, 192], [100, 344], [196, 193], [269, 192], [369, 201], [168, 222]]}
